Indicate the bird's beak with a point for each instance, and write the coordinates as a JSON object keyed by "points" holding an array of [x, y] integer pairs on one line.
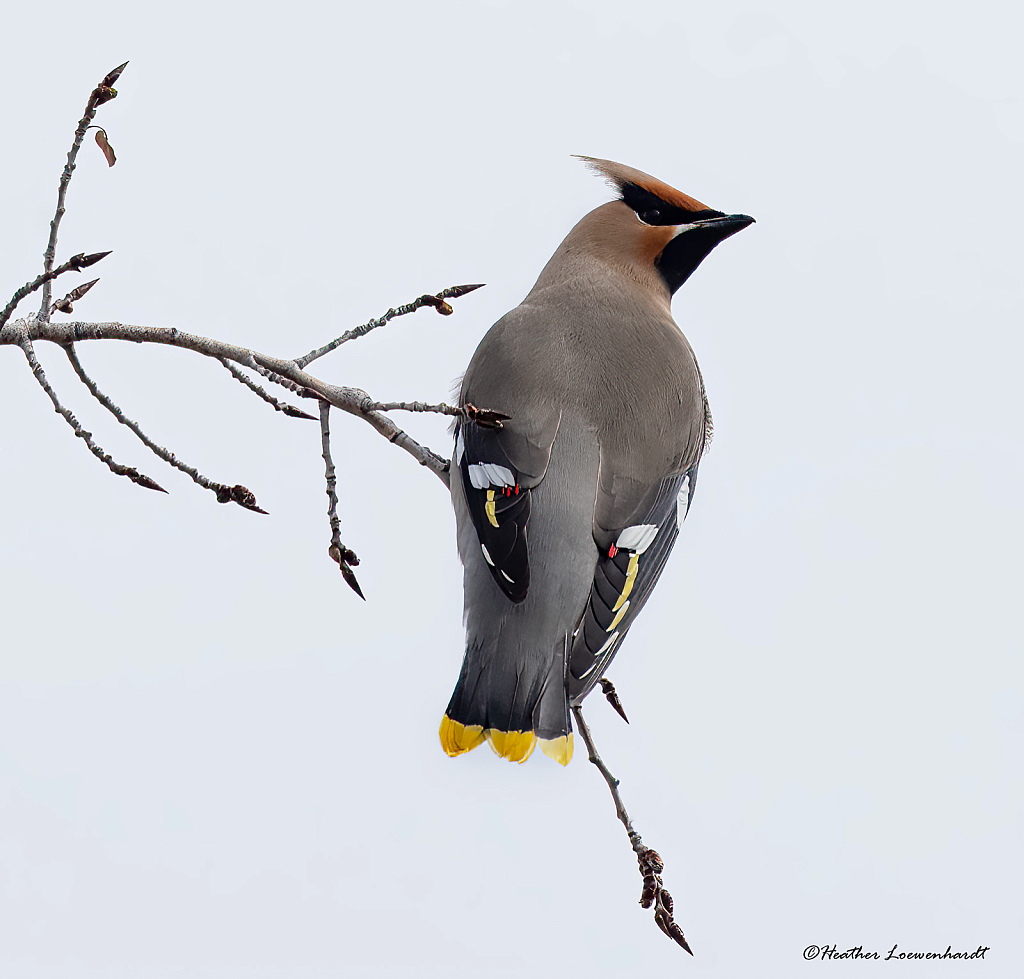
{"points": [[693, 242], [726, 225]]}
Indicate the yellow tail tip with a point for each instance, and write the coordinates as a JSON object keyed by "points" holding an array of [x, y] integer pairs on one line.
{"points": [[513, 745], [558, 748], [457, 738]]}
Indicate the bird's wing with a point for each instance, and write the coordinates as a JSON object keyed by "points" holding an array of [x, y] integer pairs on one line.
{"points": [[627, 570], [499, 468]]}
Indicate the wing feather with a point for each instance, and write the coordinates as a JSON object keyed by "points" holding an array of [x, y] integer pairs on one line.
{"points": [[623, 580], [499, 468]]}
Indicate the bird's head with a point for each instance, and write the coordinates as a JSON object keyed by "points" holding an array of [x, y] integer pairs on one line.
{"points": [[653, 223]]}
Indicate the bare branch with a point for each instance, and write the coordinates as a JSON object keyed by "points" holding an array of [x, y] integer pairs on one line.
{"points": [[224, 493], [344, 556], [346, 398], [115, 467], [244, 378], [651, 865], [438, 302], [103, 92]]}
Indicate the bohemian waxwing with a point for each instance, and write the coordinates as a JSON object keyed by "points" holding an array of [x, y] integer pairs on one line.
{"points": [[567, 513]]}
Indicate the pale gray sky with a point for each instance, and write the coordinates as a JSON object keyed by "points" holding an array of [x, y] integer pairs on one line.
{"points": [[215, 763]]}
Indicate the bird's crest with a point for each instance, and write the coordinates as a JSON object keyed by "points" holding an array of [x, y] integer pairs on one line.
{"points": [[628, 182]]}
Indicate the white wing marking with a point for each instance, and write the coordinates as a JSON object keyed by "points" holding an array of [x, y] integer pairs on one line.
{"points": [[683, 501], [485, 474], [637, 538]]}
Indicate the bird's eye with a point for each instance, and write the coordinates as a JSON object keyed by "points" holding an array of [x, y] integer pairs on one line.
{"points": [[649, 217]]}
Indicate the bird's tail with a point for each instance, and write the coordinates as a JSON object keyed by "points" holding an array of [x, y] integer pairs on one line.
{"points": [[514, 707]]}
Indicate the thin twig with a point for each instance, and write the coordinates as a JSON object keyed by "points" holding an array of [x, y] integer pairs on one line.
{"points": [[347, 399], [482, 416], [225, 494], [74, 264], [102, 93], [115, 467], [244, 378], [438, 302], [441, 409], [651, 865], [288, 385], [343, 556]]}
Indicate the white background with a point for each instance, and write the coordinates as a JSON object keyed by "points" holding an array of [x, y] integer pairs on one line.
{"points": [[216, 762]]}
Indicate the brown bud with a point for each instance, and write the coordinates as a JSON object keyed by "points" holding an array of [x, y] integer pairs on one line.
{"points": [[103, 94], [485, 417], [64, 305], [654, 861], [663, 922], [83, 261], [456, 291], [676, 934], [144, 481], [245, 497], [350, 580], [438, 303], [237, 494], [112, 76], [343, 555], [608, 689]]}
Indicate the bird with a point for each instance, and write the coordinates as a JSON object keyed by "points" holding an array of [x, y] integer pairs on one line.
{"points": [[569, 491]]}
